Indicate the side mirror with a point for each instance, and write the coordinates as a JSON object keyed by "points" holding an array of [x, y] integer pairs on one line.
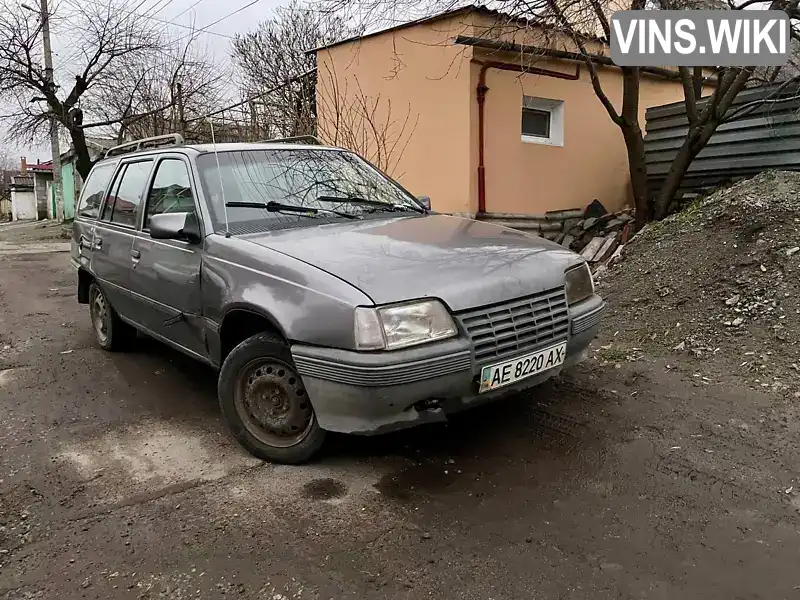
{"points": [[175, 226], [425, 201]]}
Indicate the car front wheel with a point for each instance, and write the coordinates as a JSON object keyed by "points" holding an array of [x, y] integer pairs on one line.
{"points": [[265, 403]]}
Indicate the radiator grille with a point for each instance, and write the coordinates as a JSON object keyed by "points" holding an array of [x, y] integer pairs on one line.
{"points": [[511, 328]]}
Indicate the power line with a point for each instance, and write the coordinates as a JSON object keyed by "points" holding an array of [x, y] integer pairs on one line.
{"points": [[224, 35], [169, 53], [256, 97], [185, 10], [74, 4], [192, 33], [204, 29], [153, 10], [138, 6]]}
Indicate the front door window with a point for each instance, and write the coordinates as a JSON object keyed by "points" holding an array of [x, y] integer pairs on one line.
{"points": [[171, 191]]}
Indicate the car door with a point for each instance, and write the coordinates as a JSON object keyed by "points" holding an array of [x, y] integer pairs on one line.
{"points": [[114, 235], [165, 274], [91, 198]]}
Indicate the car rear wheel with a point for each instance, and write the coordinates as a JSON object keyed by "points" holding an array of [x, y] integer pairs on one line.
{"points": [[111, 332], [265, 403]]}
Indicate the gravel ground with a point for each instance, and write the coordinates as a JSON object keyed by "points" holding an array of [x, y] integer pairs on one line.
{"points": [[715, 288], [623, 479], [34, 231]]}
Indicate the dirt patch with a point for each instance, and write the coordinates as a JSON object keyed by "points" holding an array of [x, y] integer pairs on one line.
{"points": [[715, 288], [17, 519], [35, 231], [149, 457]]}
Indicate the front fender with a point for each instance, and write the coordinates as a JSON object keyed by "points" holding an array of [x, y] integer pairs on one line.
{"points": [[305, 303]]}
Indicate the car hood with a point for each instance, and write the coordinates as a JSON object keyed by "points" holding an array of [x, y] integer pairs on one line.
{"points": [[463, 262]]}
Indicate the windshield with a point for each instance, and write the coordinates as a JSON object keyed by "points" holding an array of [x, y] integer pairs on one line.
{"points": [[295, 177]]}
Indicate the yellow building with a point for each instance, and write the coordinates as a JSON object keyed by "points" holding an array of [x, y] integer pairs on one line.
{"points": [[438, 106]]}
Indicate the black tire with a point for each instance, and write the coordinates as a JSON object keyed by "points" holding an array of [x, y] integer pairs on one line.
{"points": [[114, 334], [265, 404]]}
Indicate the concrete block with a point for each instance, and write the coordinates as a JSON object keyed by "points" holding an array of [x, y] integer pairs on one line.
{"points": [[561, 215], [592, 248], [607, 249]]}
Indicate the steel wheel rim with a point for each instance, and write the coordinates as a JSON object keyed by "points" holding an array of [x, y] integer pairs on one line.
{"points": [[273, 404], [100, 316]]}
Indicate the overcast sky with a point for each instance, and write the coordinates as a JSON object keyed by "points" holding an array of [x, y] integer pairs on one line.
{"points": [[179, 12]]}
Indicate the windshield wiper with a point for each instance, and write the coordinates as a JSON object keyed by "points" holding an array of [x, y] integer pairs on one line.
{"points": [[372, 203], [272, 206]]}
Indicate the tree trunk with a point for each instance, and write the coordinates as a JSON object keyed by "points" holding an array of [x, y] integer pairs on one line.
{"points": [[691, 147], [83, 162], [634, 144], [677, 171]]}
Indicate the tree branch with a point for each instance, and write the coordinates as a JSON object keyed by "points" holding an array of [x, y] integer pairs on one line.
{"points": [[689, 97]]}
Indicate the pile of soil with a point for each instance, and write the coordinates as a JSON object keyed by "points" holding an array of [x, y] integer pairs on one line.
{"points": [[717, 284]]}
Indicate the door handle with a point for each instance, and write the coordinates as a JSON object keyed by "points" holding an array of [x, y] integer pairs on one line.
{"points": [[136, 255], [98, 242]]}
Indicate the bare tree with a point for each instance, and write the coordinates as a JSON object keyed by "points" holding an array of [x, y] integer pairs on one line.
{"points": [[7, 161], [368, 125], [157, 97], [577, 30], [107, 38], [274, 57]]}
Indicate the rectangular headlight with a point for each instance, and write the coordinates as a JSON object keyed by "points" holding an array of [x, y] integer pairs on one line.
{"points": [[580, 284], [402, 325]]}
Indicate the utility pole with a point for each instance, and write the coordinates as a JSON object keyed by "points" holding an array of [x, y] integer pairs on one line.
{"points": [[179, 102], [254, 132], [51, 83]]}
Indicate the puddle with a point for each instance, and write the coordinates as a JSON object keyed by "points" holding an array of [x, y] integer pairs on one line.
{"points": [[324, 489], [330, 484], [423, 479]]}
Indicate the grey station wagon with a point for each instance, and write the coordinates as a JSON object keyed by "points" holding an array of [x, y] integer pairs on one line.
{"points": [[329, 298]]}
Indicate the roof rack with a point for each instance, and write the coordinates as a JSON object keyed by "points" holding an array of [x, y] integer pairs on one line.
{"points": [[297, 139], [171, 139]]}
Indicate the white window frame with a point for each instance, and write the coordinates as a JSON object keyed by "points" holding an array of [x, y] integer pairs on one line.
{"points": [[556, 110]]}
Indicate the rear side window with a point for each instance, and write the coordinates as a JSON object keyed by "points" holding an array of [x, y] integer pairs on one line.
{"points": [[94, 189], [127, 193]]}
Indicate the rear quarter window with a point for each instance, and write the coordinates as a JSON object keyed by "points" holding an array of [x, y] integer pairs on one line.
{"points": [[94, 189]]}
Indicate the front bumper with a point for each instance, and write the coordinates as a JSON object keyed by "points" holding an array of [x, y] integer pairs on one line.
{"points": [[370, 393]]}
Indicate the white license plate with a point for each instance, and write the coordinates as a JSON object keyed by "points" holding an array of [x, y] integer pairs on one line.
{"points": [[506, 373]]}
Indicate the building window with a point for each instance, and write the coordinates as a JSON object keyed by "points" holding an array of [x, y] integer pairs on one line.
{"points": [[542, 121], [535, 122]]}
